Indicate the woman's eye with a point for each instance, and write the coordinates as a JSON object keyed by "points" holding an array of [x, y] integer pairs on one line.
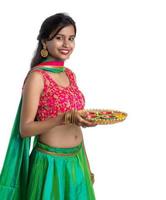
{"points": [[59, 38], [72, 39], [62, 38]]}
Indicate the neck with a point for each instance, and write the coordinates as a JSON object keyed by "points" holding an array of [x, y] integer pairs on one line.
{"points": [[50, 58]]}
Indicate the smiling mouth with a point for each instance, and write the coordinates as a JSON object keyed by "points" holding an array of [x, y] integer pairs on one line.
{"points": [[64, 51]]}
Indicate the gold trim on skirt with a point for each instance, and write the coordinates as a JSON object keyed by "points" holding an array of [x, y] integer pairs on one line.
{"points": [[55, 153]]}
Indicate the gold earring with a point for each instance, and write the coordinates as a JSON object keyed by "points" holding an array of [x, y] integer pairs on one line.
{"points": [[44, 52]]}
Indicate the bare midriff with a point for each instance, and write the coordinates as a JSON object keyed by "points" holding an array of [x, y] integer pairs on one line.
{"points": [[64, 136]]}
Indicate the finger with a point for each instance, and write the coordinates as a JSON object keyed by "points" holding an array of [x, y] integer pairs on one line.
{"points": [[83, 122], [82, 113], [89, 124], [92, 125]]}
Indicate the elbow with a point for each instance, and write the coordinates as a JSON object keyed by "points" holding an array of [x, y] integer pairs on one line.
{"points": [[22, 132]]}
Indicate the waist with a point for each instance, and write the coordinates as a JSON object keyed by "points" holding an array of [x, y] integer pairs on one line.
{"points": [[64, 134], [58, 151]]}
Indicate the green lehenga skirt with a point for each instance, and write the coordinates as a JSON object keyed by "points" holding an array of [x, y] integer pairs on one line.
{"points": [[59, 174]]}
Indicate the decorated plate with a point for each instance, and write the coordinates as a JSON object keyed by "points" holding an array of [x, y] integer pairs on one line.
{"points": [[104, 116]]}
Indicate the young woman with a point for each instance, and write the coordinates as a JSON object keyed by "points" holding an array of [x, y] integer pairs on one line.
{"points": [[51, 111]]}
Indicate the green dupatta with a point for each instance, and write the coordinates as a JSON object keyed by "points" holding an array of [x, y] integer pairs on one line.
{"points": [[14, 174]]}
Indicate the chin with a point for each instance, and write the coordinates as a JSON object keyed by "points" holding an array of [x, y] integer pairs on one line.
{"points": [[64, 57], [61, 57]]}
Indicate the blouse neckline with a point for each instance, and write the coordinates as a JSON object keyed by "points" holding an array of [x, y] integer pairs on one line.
{"points": [[61, 86]]}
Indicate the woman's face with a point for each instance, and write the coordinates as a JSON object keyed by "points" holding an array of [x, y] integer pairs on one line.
{"points": [[62, 45]]}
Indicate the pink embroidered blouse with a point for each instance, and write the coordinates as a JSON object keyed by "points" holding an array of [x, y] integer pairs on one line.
{"points": [[55, 98]]}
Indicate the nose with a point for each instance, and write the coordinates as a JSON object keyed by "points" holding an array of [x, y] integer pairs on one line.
{"points": [[65, 43]]}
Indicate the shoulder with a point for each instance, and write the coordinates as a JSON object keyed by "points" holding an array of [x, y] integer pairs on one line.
{"points": [[35, 74], [34, 77], [71, 72]]}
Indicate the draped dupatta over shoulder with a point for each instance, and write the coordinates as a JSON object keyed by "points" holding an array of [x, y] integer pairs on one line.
{"points": [[14, 174]]}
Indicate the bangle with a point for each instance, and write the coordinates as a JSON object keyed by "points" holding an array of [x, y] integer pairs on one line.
{"points": [[67, 117], [70, 117]]}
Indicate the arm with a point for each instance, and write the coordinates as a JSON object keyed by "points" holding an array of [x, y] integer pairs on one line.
{"points": [[32, 90]]}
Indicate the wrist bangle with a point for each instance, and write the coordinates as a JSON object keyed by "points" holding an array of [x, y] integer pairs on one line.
{"points": [[70, 117]]}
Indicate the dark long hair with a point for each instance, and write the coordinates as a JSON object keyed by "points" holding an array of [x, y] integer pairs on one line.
{"points": [[53, 23]]}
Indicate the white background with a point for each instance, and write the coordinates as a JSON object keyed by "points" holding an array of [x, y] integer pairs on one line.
{"points": [[119, 62]]}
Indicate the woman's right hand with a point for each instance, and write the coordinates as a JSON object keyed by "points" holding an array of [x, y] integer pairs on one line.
{"points": [[80, 119]]}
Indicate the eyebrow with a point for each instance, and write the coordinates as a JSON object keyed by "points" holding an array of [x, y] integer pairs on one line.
{"points": [[64, 35], [54, 35]]}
